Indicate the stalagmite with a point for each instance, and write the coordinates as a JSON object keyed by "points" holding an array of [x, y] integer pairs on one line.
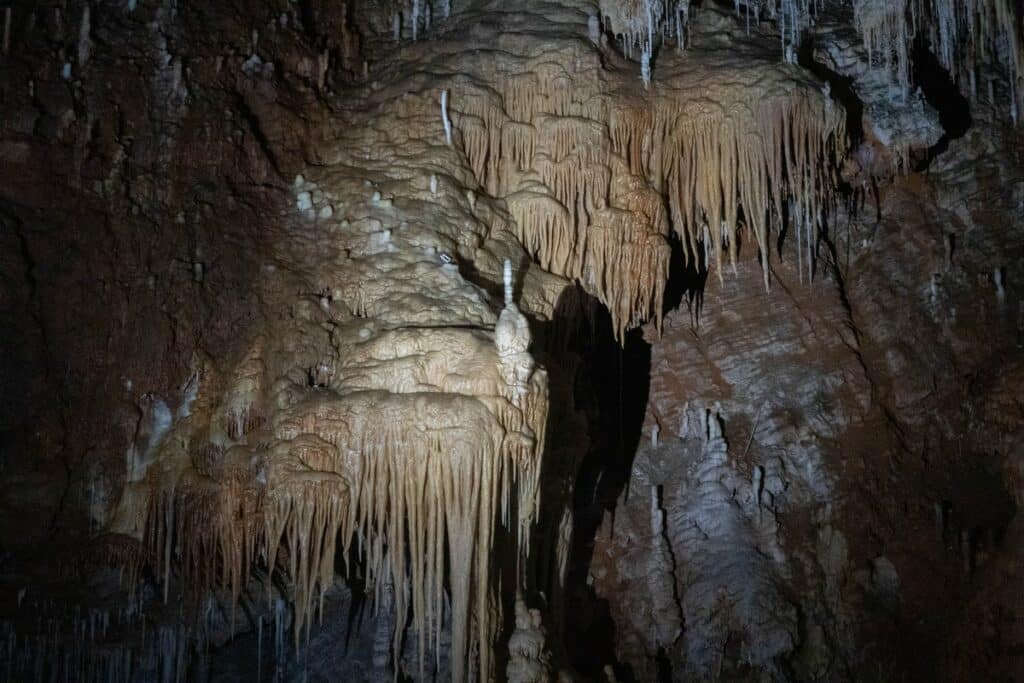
{"points": [[512, 339], [529, 660]]}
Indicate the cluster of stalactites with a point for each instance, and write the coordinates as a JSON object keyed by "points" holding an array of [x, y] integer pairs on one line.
{"points": [[89, 645], [886, 33], [587, 188], [220, 520], [792, 16], [967, 36], [411, 17], [419, 480], [577, 207], [641, 24], [724, 173], [433, 473], [964, 34]]}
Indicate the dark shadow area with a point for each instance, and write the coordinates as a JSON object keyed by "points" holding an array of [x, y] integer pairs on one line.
{"points": [[594, 377], [619, 380], [598, 390], [841, 89], [942, 93], [686, 281]]}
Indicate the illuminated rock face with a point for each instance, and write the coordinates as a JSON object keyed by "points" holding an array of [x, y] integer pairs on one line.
{"points": [[338, 300], [387, 408], [596, 171]]}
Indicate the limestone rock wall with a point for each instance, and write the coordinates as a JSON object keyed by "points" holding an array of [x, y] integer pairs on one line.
{"points": [[379, 339]]}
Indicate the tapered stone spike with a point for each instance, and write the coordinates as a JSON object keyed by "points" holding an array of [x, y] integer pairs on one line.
{"points": [[507, 280], [444, 118]]}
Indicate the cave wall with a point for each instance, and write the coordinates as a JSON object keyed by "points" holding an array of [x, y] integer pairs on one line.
{"points": [[805, 466], [855, 482]]}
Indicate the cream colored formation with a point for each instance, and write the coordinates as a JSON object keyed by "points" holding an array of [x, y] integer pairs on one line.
{"points": [[389, 410], [585, 159]]}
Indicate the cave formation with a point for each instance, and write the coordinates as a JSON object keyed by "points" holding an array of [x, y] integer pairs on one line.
{"points": [[575, 340]]}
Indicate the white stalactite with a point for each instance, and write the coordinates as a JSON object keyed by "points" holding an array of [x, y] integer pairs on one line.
{"points": [[444, 118], [507, 281]]}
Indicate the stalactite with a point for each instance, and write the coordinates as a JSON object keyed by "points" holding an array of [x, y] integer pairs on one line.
{"points": [[126, 554], [444, 118], [887, 34], [414, 461], [970, 34], [425, 474], [730, 160], [965, 35], [89, 644]]}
